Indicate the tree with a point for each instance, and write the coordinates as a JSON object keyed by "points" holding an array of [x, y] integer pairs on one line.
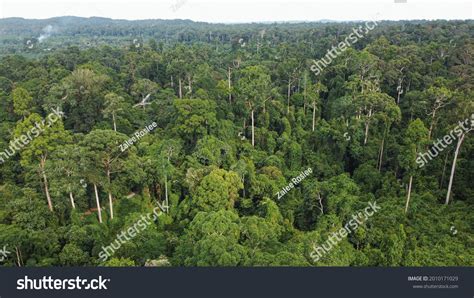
{"points": [[181, 65], [371, 102], [391, 114], [218, 190], [71, 255], [67, 166], [38, 150], [22, 101], [312, 93], [212, 239], [82, 99], [439, 97], [254, 88], [143, 89], [290, 69], [104, 153], [113, 105], [160, 157], [415, 140], [465, 107], [194, 119]]}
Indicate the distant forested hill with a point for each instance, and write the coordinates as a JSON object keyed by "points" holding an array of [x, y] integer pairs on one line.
{"points": [[36, 37]]}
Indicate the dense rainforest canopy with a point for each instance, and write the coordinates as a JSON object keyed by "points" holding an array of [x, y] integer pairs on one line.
{"points": [[238, 115]]}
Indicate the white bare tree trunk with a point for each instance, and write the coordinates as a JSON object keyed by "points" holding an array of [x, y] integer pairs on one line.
{"points": [[453, 168], [45, 182], [166, 192], [111, 203], [409, 193], [113, 119], [367, 123], [431, 125], [111, 206], [381, 153], [253, 128], [97, 201], [288, 95], [190, 86], [72, 200], [229, 76]]}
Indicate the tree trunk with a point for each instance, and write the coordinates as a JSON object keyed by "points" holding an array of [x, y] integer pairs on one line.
{"points": [[314, 115], [253, 128], [366, 132], [113, 119], [111, 204], [304, 96], [381, 152], [409, 193], [18, 257], [166, 192], [444, 171], [399, 89], [46, 187], [190, 85], [229, 85], [288, 95], [97, 201], [166, 188], [453, 169], [367, 123], [72, 200], [180, 89], [320, 200], [431, 125]]}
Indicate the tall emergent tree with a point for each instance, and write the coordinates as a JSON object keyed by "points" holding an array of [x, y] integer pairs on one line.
{"points": [[254, 87]]}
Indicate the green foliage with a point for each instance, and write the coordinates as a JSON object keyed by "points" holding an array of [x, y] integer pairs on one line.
{"points": [[235, 126], [22, 101], [217, 191]]}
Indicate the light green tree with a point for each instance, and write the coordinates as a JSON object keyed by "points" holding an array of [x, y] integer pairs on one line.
{"points": [[22, 101]]}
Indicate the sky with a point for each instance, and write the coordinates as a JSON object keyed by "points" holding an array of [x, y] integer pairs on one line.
{"points": [[242, 11]]}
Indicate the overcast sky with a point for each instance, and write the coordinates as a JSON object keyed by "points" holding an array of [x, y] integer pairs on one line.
{"points": [[231, 11]]}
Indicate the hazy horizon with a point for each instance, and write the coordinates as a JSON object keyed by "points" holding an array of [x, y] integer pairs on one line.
{"points": [[243, 11], [231, 23]]}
